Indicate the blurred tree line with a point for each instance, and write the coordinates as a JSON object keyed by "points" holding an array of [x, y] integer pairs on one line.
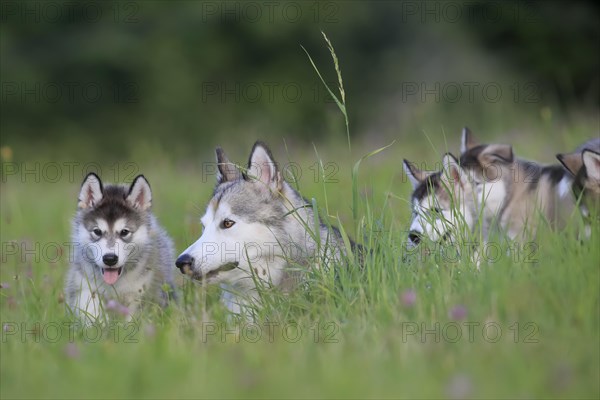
{"points": [[186, 74]]}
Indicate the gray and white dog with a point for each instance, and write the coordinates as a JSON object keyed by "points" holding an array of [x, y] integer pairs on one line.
{"points": [[121, 253], [584, 166], [492, 188], [516, 194], [443, 203], [257, 230]]}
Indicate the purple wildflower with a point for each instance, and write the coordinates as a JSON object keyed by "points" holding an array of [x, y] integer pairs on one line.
{"points": [[408, 297], [71, 350], [458, 312], [118, 308]]}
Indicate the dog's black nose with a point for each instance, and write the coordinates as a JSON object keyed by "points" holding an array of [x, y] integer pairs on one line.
{"points": [[184, 260], [414, 237], [110, 259]]}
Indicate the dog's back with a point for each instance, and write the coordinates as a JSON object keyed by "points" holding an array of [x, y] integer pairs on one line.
{"points": [[516, 193]]}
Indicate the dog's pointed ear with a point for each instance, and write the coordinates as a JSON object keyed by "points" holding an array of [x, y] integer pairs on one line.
{"points": [[452, 173], [468, 141], [140, 195], [262, 167], [591, 161], [497, 153], [571, 161], [226, 170], [415, 175], [91, 191]]}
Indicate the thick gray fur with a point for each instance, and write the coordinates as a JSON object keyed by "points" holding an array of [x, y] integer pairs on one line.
{"points": [[145, 272]]}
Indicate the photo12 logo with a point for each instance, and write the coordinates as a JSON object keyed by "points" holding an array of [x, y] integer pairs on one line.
{"points": [[470, 92], [451, 12], [69, 171], [60, 12], [270, 12], [69, 92], [270, 331], [266, 92], [489, 252], [292, 172], [54, 332], [470, 332], [25, 251]]}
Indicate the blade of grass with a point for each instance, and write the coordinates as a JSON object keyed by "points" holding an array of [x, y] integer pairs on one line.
{"points": [[341, 104], [355, 178]]}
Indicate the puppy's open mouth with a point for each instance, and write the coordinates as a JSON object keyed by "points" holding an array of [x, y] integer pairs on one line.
{"points": [[111, 275], [211, 274]]}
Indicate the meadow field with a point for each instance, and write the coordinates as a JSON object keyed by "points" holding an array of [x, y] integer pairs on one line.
{"points": [[176, 80], [407, 325]]}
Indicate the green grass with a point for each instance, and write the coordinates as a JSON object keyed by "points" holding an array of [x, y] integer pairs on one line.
{"points": [[358, 326], [407, 325]]}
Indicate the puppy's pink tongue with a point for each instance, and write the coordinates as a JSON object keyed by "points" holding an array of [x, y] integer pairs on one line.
{"points": [[110, 276]]}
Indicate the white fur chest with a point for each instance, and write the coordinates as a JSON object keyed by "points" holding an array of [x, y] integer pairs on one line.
{"points": [[133, 286]]}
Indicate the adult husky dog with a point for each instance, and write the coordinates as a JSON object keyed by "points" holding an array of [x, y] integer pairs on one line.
{"points": [[121, 253], [443, 203], [584, 166], [255, 227], [515, 193]]}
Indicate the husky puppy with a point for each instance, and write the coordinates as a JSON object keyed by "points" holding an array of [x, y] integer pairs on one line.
{"points": [[515, 193], [121, 253], [584, 166], [256, 228], [443, 203]]}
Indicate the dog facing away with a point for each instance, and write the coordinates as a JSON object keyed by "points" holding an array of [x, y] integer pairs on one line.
{"points": [[443, 203], [584, 166], [515, 193], [256, 229], [121, 253]]}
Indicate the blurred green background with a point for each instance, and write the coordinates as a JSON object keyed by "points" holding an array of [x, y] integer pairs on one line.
{"points": [[98, 79]]}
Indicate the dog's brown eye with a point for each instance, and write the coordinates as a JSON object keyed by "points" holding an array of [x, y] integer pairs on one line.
{"points": [[227, 223], [124, 232], [97, 232]]}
